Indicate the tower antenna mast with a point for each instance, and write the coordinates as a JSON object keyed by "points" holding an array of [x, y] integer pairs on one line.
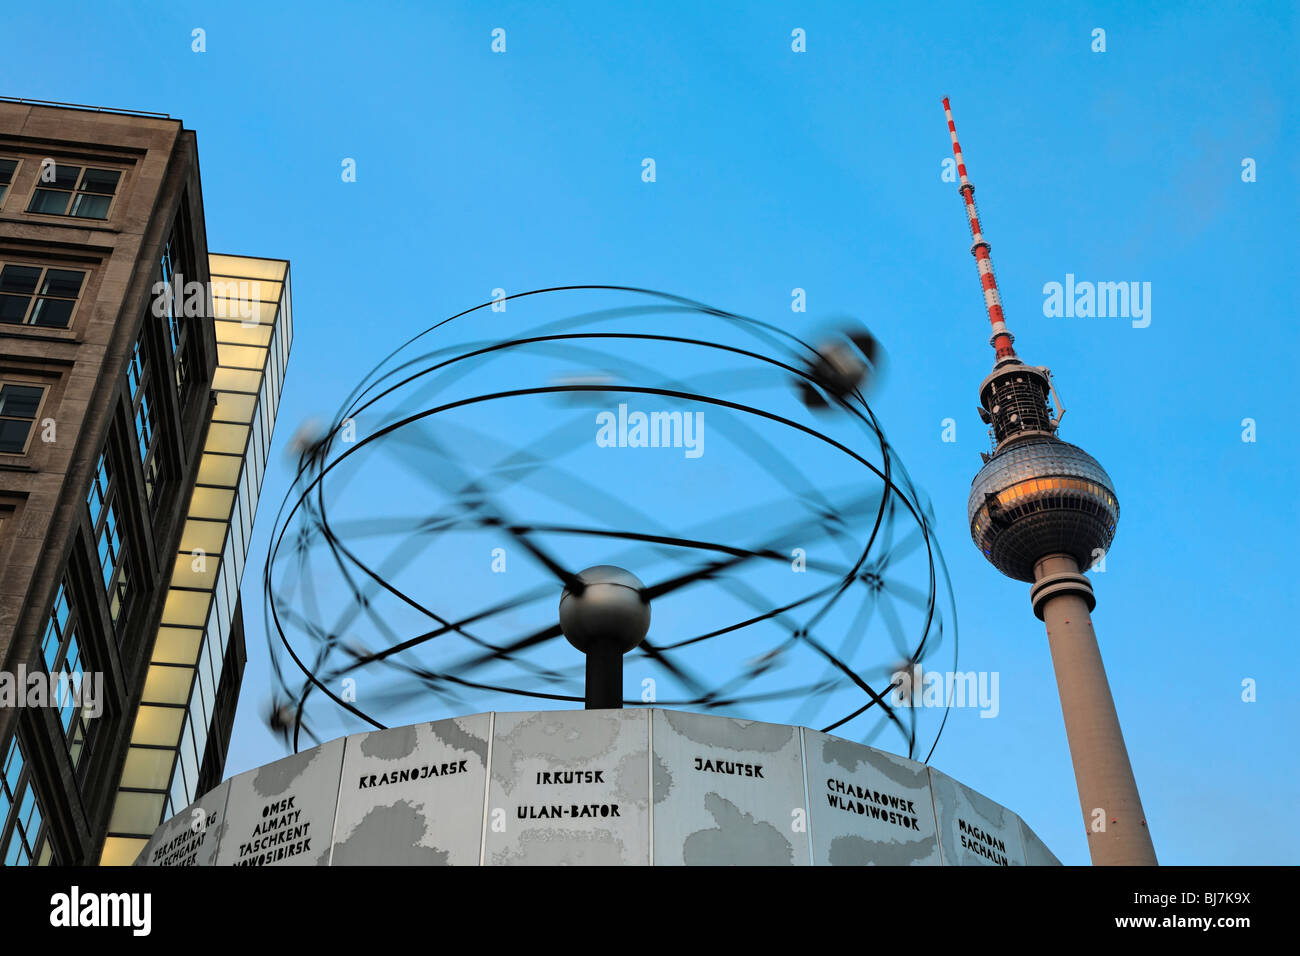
{"points": [[1002, 338]]}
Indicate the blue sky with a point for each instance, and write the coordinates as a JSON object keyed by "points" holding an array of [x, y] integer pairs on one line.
{"points": [[821, 170]]}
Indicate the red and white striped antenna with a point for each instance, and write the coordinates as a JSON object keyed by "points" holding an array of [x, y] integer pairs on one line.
{"points": [[1002, 338]]}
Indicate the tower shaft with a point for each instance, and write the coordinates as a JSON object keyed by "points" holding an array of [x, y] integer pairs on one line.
{"points": [[1108, 793]]}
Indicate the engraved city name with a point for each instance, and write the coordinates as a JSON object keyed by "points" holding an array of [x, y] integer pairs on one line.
{"points": [[982, 843], [730, 767], [413, 773], [570, 776], [872, 803], [277, 836], [573, 811]]}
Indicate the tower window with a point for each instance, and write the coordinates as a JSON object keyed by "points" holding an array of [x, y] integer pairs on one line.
{"points": [[31, 295], [85, 193], [7, 167], [22, 842], [18, 407]]}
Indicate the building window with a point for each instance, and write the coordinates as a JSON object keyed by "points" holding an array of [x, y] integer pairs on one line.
{"points": [[140, 386], [75, 191], [61, 652], [113, 564], [19, 405], [31, 295], [7, 167], [174, 263], [22, 841]]}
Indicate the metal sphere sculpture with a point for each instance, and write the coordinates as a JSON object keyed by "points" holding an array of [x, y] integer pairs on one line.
{"points": [[733, 467], [606, 607]]}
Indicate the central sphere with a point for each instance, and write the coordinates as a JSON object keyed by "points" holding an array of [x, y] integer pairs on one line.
{"points": [[609, 610]]}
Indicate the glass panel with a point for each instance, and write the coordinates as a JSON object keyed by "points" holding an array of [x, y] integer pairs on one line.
{"points": [[219, 470], [234, 407], [13, 308], [190, 572], [157, 725], [13, 436], [206, 536], [246, 266], [186, 608], [177, 645], [236, 380], [241, 356], [19, 401], [86, 206], [21, 279], [226, 439], [7, 167], [136, 812], [52, 313], [62, 282], [167, 685], [211, 503], [121, 851], [65, 177], [244, 311], [49, 202], [236, 333], [147, 768], [102, 181]]}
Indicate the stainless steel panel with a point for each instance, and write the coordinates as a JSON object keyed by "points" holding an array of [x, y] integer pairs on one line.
{"points": [[413, 796], [283, 814], [569, 787], [727, 791], [868, 807]]}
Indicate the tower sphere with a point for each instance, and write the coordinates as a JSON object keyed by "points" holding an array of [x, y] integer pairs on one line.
{"points": [[609, 610], [1041, 496]]}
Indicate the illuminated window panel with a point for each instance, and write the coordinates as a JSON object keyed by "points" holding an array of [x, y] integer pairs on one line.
{"points": [[246, 266], [201, 535], [236, 380], [234, 407], [136, 812], [211, 503], [147, 768], [241, 356], [219, 470], [166, 685], [226, 439], [160, 726], [245, 312], [177, 645], [121, 851], [186, 608], [199, 572], [237, 333]]}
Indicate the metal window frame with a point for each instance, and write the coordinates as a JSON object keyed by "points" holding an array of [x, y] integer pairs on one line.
{"points": [[71, 193], [40, 407]]}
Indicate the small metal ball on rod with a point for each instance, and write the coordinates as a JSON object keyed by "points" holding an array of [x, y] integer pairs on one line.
{"points": [[604, 615]]}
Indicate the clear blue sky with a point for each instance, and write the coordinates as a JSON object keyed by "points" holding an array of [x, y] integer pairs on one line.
{"points": [[821, 170]]}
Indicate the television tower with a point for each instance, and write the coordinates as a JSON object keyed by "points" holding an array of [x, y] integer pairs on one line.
{"points": [[1041, 510]]}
